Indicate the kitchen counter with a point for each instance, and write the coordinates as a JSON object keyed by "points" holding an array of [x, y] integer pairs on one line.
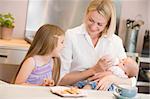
{"points": [[9, 91], [12, 53], [14, 44], [143, 82], [13, 48]]}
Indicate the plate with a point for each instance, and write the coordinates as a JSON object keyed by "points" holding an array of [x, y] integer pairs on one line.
{"points": [[68, 91], [122, 97]]}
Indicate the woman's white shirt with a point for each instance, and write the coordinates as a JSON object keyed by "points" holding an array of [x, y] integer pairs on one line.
{"points": [[80, 54]]}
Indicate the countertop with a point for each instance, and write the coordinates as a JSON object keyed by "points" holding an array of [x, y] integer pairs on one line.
{"points": [[14, 44], [10, 91]]}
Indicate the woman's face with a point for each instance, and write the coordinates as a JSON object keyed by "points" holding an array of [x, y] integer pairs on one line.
{"points": [[60, 45], [95, 23]]}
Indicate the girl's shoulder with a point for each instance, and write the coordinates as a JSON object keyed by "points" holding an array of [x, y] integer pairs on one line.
{"points": [[41, 60], [28, 64], [29, 61]]}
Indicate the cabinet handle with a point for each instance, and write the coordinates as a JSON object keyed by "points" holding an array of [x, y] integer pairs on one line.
{"points": [[4, 56]]}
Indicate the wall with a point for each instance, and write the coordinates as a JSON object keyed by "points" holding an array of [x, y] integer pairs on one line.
{"points": [[134, 9], [18, 8], [149, 14]]}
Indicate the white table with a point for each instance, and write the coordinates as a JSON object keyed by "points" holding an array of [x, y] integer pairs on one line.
{"points": [[9, 91]]}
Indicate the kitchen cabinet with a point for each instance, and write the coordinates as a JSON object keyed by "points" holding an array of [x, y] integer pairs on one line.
{"points": [[143, 82], [144, 79], [12, 52]]}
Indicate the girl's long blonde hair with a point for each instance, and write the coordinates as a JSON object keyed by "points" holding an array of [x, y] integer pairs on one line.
{"points": [[45, 41], [105, 8]]}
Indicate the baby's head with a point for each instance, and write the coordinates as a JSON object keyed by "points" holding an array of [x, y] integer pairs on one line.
{"points": [[130, 67]]}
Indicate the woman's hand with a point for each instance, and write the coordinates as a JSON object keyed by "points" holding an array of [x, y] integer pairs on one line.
{"points": [[106, 82], [103, 64], [48, 82]]}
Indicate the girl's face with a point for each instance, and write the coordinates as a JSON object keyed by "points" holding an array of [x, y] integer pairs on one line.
{"points": [[60, 45], [95, 23]]}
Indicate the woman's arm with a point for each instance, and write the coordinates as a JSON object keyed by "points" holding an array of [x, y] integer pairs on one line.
{"points": [[106, 81], [73, 77], [67, 78]]}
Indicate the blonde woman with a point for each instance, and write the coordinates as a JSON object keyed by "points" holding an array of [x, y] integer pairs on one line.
{"points": [[41, 66], [86, 48]]}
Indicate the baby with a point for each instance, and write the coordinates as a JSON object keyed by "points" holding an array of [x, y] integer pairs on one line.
{"points": [[126, 68]]}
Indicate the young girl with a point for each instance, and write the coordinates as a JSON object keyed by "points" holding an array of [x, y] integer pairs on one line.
{"points": [[41, 65]]}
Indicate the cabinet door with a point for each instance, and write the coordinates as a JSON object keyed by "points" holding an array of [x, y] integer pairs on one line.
{"points": [[3, 56], [14, 57]]}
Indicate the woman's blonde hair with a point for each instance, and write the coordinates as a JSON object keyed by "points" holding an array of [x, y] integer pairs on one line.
{"points": [[45, 41], [105, 8]]}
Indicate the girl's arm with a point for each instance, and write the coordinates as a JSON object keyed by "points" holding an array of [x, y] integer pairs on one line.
{"points": [[28, 84], [25, 71], [46, 82]]}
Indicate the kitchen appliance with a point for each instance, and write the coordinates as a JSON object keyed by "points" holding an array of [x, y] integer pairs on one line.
{"points": [[146, 44], [133, 27]]}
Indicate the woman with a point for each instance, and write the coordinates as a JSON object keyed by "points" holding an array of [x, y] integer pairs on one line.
{"points": [[87, 46]]}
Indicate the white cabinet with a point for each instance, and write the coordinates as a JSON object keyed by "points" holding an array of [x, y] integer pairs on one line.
{"points": [[9, 56], [13, 51]]}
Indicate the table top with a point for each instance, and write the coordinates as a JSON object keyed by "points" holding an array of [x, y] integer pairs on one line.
{"points": [[11, 91]]}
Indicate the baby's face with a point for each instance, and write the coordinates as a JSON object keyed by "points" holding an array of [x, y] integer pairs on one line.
{"points": [[124, 64], [129, 66]]}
